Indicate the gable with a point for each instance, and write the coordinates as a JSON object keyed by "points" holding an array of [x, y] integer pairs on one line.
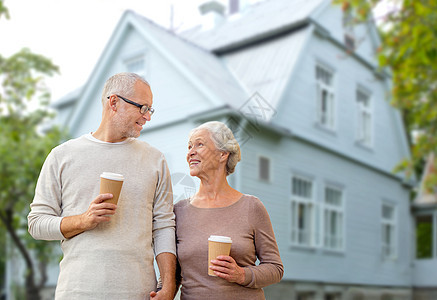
{"points": [[187, 81], [298, 109], [364, 35]]}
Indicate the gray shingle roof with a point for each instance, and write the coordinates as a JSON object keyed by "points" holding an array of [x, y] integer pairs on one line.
{"points": [[263, 19]]}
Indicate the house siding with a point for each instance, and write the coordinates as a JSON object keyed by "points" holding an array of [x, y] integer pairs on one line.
{"points": [[298, 110], [174, 95], [366, 39], [364, 189]]}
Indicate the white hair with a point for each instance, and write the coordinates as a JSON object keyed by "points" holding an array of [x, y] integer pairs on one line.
{"points": [[121, 84], [224, 141]]}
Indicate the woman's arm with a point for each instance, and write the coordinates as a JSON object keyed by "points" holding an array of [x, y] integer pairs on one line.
{"points": [[270, 270]]}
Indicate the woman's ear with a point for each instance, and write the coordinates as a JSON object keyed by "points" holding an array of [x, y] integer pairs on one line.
{"points": [[224, 156]]}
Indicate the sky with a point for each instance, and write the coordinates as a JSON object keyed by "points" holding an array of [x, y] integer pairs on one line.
{"points": [[74, 33]]}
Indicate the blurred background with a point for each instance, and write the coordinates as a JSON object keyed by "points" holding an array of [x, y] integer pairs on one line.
{"points": [[333, 104]]}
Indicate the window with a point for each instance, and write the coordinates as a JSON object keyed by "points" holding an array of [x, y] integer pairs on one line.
{"points": [[137, 65], [424, 240], [302, 212], [348, 27], [305, 296], [325, 97], [357, 296], [333, 296], [388, 231], [333, 218], [264, 168], [364, 130]]}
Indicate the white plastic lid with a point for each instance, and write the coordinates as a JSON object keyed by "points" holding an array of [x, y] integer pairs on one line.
{"points": [[220, 239], [112, 176]]}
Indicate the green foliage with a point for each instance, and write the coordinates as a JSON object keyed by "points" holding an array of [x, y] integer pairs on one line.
{"points": [[3, 10], [424, 239], [24, 145], [409, 50]]}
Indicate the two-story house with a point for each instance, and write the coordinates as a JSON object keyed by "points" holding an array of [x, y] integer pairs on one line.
{"points": [[301, 89]]}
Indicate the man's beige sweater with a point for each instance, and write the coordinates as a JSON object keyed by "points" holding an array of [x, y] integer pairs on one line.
{"points": [[114, 260]]}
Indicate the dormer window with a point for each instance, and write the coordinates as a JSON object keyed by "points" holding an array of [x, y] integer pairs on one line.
{"points": [[348, 27], [136, 65], [325, 97], [349, 40], [364, 118]]}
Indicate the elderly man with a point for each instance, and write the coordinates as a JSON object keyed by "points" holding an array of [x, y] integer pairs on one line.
{"points": [[109, 249]]}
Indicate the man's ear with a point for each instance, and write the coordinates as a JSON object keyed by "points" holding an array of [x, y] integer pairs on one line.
{"points": [[112, 102]]}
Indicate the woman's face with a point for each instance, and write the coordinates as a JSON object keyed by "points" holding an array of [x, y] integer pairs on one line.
{"points": [[203, 157]]}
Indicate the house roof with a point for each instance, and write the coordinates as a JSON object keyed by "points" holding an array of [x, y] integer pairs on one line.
{"points": [[68, 98], [262, 69], [216, 79], [236, 77], [232, 79], [263, 19], [203, 66]]}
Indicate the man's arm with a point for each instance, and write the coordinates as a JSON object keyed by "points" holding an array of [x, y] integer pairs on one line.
{"points": [[97, 212], [164, 234], [167, 269]]}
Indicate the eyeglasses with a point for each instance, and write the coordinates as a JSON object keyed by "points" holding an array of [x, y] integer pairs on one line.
{"points": [[143, 108]]}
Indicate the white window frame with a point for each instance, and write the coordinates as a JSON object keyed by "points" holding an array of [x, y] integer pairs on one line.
{"points": [[136, 57], [326, 105], [389, 251], [364, 118], [328, 210], [297, 237]]}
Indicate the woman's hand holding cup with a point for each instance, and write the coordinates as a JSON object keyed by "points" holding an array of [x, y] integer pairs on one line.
{"points": [[227, 268]]}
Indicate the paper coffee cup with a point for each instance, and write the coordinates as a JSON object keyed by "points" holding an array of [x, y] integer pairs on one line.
{"points": [[217, 245], [111, 183]]}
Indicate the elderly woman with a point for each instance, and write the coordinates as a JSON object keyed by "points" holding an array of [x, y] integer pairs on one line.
{"points": [[218, 209]]}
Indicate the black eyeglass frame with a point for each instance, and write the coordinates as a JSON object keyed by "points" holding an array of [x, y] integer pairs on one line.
{"points": [[143, 108]]}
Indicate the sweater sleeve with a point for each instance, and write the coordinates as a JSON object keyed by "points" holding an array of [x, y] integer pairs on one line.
{"points": [[163, 216], [270, 269], [44, 219]]}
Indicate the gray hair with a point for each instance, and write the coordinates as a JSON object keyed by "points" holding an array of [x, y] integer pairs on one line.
{"points": [[224, 140], [121, 84]]}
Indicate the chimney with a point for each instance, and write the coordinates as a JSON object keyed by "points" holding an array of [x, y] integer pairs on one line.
{"points": [[234, 6], [213, 13], [240, 6]]}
